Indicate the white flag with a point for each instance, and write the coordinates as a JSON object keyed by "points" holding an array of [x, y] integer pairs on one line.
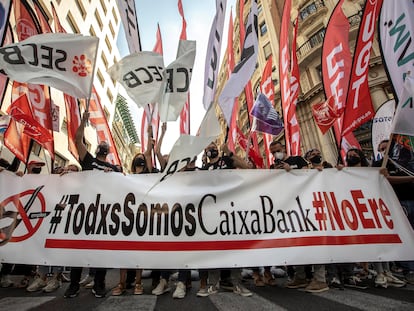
{"points": [[60, 60], [142, 76], [129, 21], [403, 122], [395, 29], [178, 81], [243, 71], [213, 54]]}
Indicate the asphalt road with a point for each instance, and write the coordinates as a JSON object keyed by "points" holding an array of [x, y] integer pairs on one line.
{"points": [[264, 298]]}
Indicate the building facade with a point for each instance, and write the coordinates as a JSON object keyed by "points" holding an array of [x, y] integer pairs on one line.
{"points": [[313, 19]]}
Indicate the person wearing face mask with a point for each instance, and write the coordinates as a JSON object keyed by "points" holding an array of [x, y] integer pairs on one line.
{"points": [[89, 162], [314, 157], [397, 171], [228, 279], [282, 160]]}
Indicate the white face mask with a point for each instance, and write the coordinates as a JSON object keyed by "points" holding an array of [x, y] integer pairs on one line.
{"points": [[279, 155]]}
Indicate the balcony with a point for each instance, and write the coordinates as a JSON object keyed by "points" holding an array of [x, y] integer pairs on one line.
{"points": [[312, 12]]}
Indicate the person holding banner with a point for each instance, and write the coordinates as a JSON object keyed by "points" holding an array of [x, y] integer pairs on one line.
{"points": [[88, 162], [399, 174], [141, 164], [229, 278]]}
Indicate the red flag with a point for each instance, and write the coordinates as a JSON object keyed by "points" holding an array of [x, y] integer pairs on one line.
{"points": [[151, 113], [336, 69], [185, 112], [98, 120], [359, 108], [26, 26], [267, 88], [325, 114], [252, 153], [71, 103], [16, 141], [294, 128], [21, 112], [284, 67]]}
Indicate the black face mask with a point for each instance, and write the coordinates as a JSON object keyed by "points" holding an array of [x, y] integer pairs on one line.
{"points": [[139, 162], [102, 151], [353, 160], [212, 153], [36, 170], [316, 159]]}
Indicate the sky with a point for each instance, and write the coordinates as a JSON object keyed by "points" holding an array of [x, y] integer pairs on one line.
{"points": [[199, 16]]}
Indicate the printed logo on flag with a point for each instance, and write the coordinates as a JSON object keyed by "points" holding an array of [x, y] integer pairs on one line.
{"points": [[82, 65]]}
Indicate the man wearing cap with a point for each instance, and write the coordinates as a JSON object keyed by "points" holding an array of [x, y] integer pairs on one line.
{"points": [[88, 162]]}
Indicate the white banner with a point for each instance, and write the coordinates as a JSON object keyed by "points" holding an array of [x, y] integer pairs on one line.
{"points": [[60, 60], [178, 81], [128, 15], [202, 219], [381, 125], [213, 54], [142, 76], [396, 28]]}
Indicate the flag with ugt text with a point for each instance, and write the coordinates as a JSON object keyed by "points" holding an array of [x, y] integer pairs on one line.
{"points": [[142, 76], [403, 122], [38, 95], [284, 68], [359, 108], [62, 61], [268, 120], [243, 71], [211, 66]]}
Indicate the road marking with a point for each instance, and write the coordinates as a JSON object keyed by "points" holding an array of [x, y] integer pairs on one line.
{"points": [[365, 301], [234, 302], [128, 302], [22, 303]]}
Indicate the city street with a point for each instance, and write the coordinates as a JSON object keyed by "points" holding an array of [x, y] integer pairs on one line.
{"points": [[264, 298]]}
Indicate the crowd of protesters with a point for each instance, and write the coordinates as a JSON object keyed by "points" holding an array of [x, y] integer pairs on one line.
{"points": [[313, 278]]}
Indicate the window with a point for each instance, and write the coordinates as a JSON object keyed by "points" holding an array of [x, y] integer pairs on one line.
{"points": [[100, 77], [111, 99], [81, 9], [98, 20], [104, 60], [108, 43], [267, 50], [115, 16], [263, 28], [111, 28], [103, 6], [92, 31], [72, 23]]}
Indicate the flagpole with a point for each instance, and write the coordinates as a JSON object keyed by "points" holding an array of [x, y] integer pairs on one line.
{"points": [[387, 150]]}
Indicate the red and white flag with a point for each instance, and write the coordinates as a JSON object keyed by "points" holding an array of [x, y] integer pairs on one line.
{"points": [[294, 128], [151, 114], [213, 54], [336, 69], [325, 114], [268, 89], [98, 120], [185, 112], [284, 70], [38, 95], [71, 103], [359, 108]]}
